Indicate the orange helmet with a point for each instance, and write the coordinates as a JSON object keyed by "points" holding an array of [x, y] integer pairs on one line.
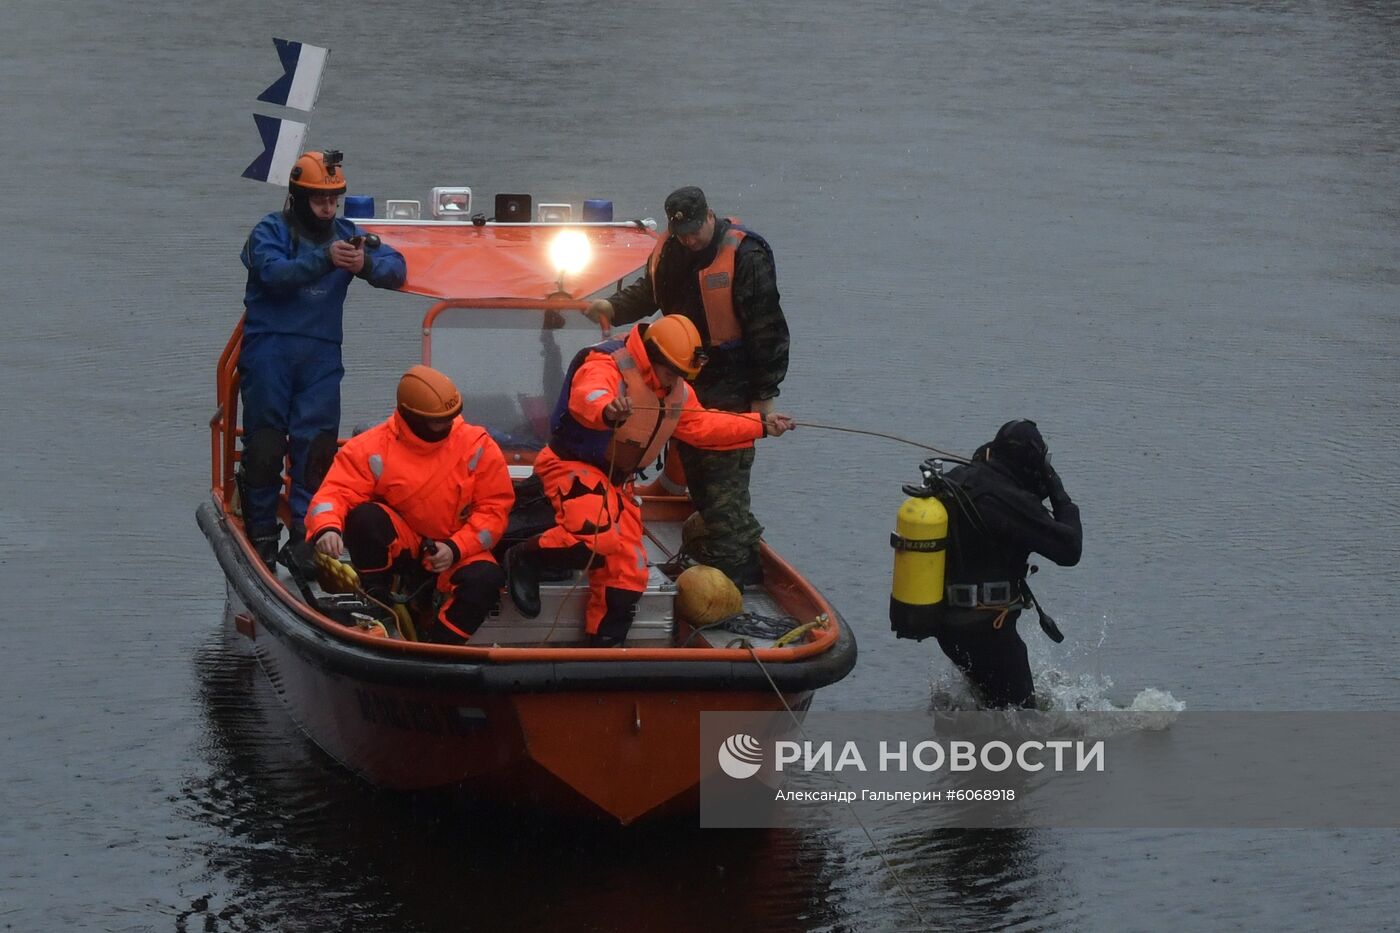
{"points": [[675, 338], [427, 393], [317, 173]]}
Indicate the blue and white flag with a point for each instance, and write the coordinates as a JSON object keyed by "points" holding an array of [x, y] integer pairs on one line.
{"points": [[282, 141], [303, 65]]}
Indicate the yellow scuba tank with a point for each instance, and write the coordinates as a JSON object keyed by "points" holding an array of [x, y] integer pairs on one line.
{"points": [[920, 541]]}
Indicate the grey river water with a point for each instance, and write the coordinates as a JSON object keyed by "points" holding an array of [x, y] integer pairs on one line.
{"points": [[1165, 230]]}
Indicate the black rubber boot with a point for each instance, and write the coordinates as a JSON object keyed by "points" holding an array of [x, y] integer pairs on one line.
{"points": [[617, 620], [265, 540], [523, 575], [298, 556], [527, 564], [749, 573], [752, 572]]}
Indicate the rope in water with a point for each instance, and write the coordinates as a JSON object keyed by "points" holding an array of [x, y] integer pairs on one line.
{"points": [[849, 805], [787, 629]]}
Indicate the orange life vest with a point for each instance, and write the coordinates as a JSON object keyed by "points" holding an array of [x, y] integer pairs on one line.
{"points": [[639, 439], [716, 287]]}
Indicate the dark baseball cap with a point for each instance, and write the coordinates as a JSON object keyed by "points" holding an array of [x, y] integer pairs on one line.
{"points": [[686, 209]]}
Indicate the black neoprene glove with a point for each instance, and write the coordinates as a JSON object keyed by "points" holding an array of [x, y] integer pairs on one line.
{"points": [[1055, 489]]}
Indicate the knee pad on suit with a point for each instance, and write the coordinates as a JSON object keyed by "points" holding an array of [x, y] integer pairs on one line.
{"points": [[263, 454]]}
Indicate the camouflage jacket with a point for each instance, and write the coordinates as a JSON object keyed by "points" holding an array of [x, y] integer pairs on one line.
{"points": [[733, 378]]}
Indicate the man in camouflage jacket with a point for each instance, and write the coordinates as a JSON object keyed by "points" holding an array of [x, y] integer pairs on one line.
{"points": [[721, 276]]}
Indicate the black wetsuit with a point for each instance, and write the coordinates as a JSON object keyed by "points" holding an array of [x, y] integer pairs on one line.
{"points": [[992, 535]]}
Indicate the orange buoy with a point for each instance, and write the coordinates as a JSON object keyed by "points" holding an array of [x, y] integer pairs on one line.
{"points": [[705, 595]]}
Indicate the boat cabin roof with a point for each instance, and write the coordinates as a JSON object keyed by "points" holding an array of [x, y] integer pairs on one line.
{"points": [[510, 261]]}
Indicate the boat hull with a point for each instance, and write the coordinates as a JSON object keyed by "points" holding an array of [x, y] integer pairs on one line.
{"points": [[614, 739]]}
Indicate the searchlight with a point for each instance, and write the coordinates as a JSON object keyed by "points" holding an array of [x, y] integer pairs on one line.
{"points": [[555, 213], [570, 252], [452, 203], [402, 210]]}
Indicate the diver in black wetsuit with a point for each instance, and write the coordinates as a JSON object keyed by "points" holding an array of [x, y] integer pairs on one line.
{"points": [[997, 521]]}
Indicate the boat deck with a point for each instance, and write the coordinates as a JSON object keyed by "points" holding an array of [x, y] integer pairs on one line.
{"points": [[560, 622]]}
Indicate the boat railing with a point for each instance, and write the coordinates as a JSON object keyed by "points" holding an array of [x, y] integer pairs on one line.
{"points": [[223, 426]]}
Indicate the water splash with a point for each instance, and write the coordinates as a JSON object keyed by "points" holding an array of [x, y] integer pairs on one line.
{"points": [[1062, 683], [1067, 691]]}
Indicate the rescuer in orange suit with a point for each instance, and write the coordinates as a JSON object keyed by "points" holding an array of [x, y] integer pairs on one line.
{"points": [[606, 425], [424, 486]]}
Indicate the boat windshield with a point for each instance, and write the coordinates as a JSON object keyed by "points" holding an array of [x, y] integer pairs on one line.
{"points": [[509, 365]]}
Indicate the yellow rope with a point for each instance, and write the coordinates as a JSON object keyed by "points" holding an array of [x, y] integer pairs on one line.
{"points": [[405, 620], [821, 621], [345, 576]]}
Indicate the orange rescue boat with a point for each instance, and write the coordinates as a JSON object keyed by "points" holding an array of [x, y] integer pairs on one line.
{"points": [[522, 714]]}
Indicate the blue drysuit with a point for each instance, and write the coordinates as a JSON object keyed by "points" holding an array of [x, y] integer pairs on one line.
{"points": [[289, 366]]}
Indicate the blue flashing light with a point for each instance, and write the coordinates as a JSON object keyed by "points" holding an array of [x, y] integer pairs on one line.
{"points": [[359, 206], [597, 211]]}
